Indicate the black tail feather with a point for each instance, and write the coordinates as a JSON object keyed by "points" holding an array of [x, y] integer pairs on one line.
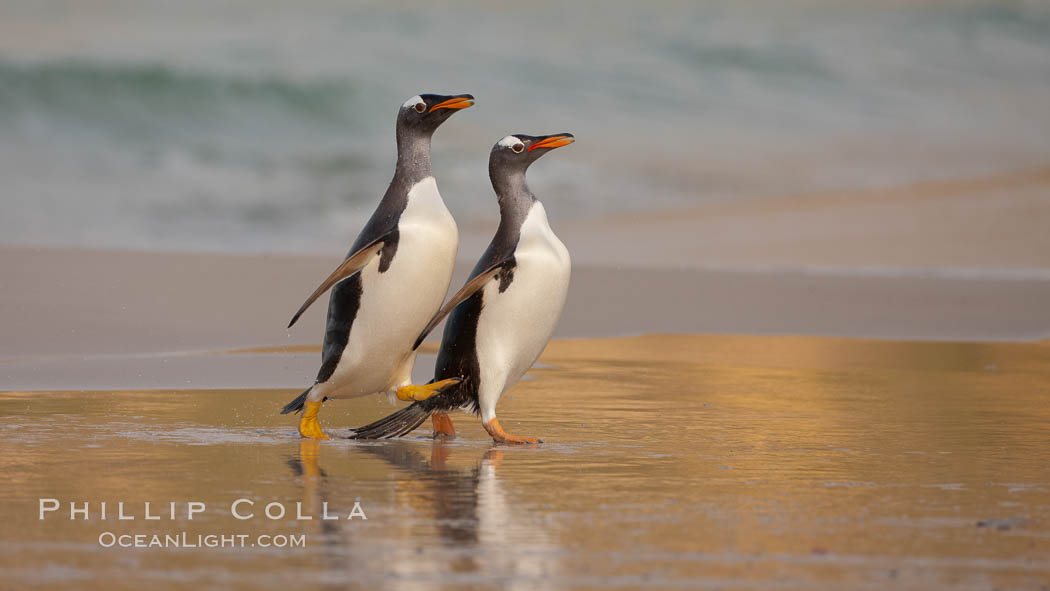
{"points": [[397, 424], [411, 417], [297, 404]]}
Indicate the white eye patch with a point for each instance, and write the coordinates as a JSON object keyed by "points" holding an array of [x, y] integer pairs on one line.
{"points": [[509, 141], [410, 103]]}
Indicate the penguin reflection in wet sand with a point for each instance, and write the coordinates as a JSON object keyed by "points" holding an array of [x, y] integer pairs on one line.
{"points": [[505, 314], [393, 280]]}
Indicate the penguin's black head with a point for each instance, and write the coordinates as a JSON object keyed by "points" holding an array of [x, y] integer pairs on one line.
{"points": [[515, 153], [422, 114]]}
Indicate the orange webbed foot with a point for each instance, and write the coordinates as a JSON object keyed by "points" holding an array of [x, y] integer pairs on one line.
{"points": [[419, 393], [443, 426], [500, 436], [309, 428]]}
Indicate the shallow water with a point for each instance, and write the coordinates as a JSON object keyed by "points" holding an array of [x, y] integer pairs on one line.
{"points": [[684, 461]]}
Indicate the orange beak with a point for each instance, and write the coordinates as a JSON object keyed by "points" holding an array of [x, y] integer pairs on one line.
{"points": [[556, 141], [454, 103]]}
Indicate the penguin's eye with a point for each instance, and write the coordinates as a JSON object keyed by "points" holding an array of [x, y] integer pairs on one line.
{"points": [[517, 148], [420, 107]]}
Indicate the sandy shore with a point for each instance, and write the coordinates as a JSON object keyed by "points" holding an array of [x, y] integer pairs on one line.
{"points": [[720, 462], [77, 302], [112, 319], [990, 225], [966, 259]]}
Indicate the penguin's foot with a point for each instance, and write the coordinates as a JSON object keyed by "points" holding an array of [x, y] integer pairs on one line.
{"points": [[501, 436], [443, 425], [308, 425], [419, 393]]}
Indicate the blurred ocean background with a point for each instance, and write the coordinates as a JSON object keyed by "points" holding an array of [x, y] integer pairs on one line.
{"points": [[254, 126]]}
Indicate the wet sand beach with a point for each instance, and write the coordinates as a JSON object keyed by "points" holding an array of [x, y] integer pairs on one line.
{"points": [[670, 460], [676, 461]]}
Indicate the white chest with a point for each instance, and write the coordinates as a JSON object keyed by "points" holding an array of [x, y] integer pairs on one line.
{"points": [[402, 298], [397, 303], [539, 245], [516, 325], [426, 211]]}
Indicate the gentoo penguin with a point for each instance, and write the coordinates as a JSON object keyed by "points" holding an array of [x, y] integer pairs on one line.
{"points": [[393, 279], [505, 314]]}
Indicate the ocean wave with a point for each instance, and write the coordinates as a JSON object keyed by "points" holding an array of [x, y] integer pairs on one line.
{"points": [[1029, 20], [161, 126], [712, 59], [135, 101]]}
